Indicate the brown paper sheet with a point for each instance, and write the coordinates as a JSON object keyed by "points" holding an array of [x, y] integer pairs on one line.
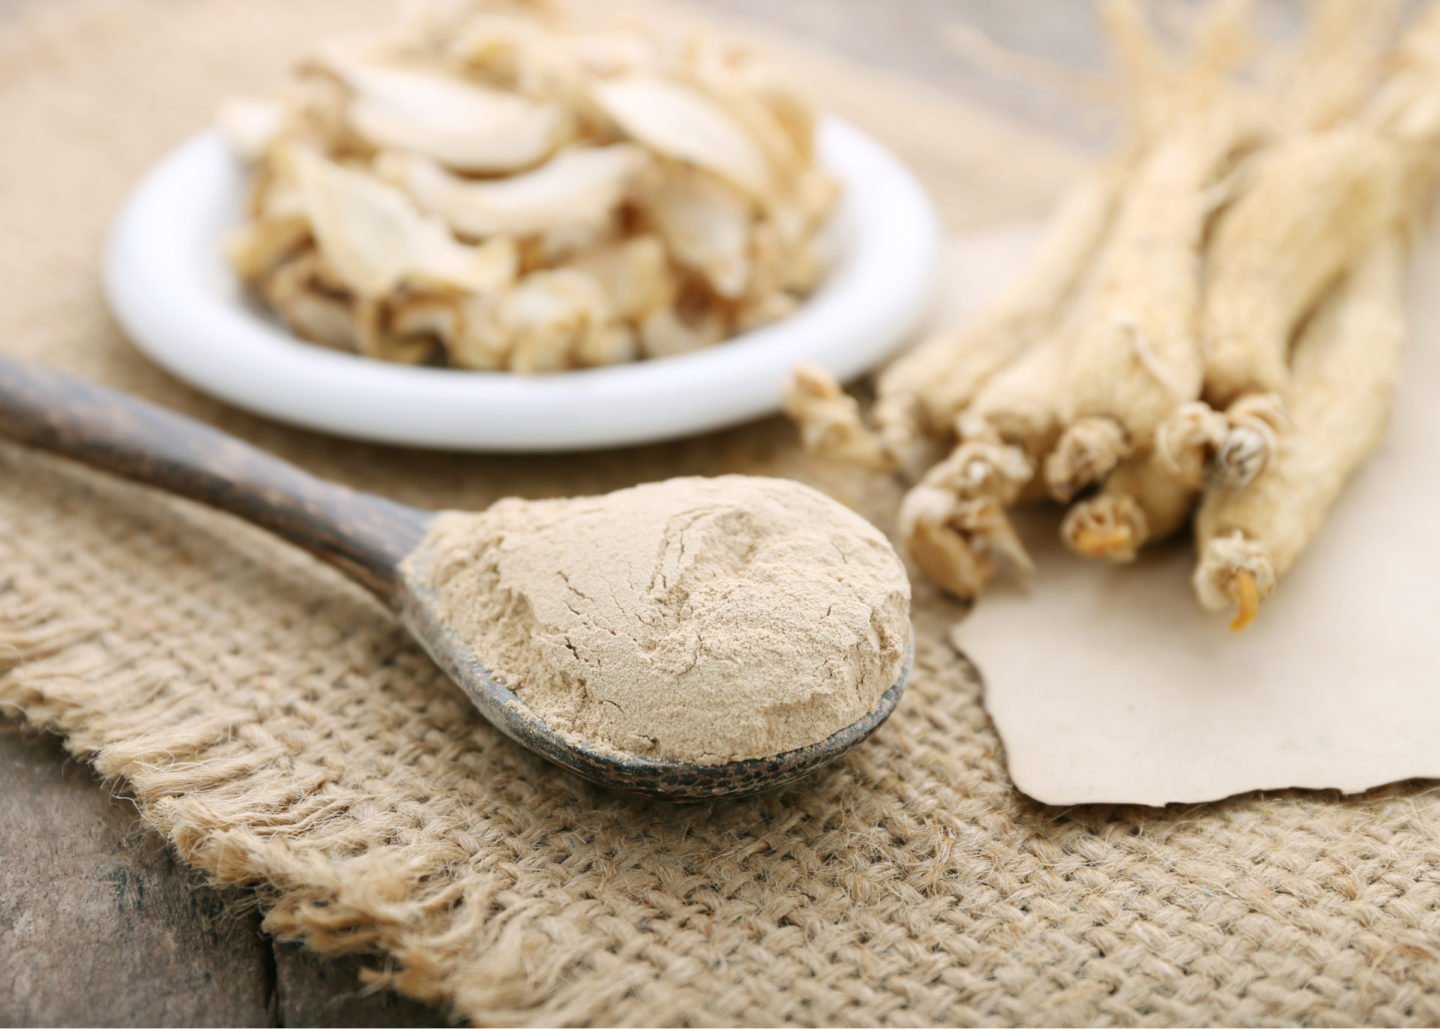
{"points": [[1109, 684]]}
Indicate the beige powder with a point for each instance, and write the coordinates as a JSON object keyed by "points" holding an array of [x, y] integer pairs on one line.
{"points": [[704, 620]]}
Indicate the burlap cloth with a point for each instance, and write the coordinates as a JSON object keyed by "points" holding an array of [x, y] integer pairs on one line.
{"points": [[278, 728]]}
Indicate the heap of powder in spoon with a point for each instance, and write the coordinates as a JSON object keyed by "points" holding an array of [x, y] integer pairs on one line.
{"points": [[699, 620]]}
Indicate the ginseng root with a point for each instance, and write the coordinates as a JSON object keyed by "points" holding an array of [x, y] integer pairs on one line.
{"points": [[1197, 442], [955, 526], [1188, 441], [1250, 438], [1309, 205], [954, 522], [829, 420], [1342, 378], [919, 395], [1143, 502], [1136, 353]]}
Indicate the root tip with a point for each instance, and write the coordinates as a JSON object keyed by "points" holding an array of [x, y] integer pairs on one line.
{"points": [[1090, 542], [1247, 601]]}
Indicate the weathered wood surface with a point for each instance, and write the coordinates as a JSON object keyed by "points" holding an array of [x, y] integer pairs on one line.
{"points": [[100, 925], [315, 991]]}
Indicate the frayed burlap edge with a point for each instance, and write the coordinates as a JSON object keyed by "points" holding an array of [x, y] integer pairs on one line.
{"points": [[54, 664]]}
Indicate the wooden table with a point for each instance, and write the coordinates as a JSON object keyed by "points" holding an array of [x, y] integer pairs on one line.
{"points": [[99, 924]]}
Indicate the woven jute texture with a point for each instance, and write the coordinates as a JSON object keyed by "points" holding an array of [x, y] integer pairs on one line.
{"points": [[278, 728]]}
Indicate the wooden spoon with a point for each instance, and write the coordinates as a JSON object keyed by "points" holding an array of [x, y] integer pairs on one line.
{"points": [[368, 538]]}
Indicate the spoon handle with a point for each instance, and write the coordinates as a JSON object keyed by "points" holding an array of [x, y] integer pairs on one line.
{"points": [[363, 535]]}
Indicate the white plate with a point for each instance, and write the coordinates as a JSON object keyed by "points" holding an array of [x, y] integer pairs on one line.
{"points": [[171, 290]]}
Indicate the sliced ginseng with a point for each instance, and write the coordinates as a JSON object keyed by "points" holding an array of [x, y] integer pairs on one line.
{"points": [[673, 187], [634, 273], [706, 224], [377, 240], [462, 125], [683, 123], [576, 190]]}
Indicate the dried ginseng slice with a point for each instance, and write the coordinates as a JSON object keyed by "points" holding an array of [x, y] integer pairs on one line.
{"points": [[1342, 379], [577, 190], [462, 125], [377, 338], [559, 319], [378, 241], [705, 224], [684, 124], [258, 247], [635, 274], [492, 183], [293, 288], [546, 62]]}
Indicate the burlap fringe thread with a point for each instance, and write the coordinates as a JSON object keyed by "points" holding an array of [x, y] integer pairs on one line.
{"points": [[56, 670]]}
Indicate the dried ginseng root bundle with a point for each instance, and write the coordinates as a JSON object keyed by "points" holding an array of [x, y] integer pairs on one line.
{"points": [[488, 186], [1135, 355], [1311, 203], [1341, 175], [1308, 206], [955, 521], [1212, 326], [1339, 396], [995, 387]]}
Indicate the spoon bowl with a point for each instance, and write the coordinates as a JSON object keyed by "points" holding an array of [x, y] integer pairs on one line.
{"points": [[632, 773], [370, 539]]}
